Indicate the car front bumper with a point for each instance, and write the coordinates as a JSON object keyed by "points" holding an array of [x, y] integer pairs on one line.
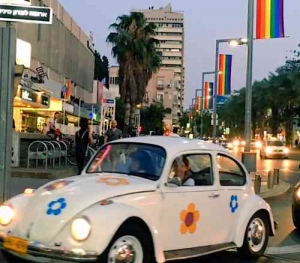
{"points": [[40, 251]]}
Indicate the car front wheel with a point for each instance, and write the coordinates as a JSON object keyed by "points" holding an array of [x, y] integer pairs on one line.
{"points": [[256, 237], [131, 244]]}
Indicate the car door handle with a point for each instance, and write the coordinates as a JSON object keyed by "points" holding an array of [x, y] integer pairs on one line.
{"points": [[214, 195]]}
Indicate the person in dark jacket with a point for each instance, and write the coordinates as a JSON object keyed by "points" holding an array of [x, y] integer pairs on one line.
{"points": [[83, 138]]}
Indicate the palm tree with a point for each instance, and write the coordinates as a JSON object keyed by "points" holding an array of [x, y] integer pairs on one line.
{"points": [[134, 46]]}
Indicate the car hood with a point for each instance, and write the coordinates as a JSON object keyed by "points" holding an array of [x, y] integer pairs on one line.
{"points": [[56, 203]]}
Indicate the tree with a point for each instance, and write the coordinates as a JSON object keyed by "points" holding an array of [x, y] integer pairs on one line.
{"points": [[101, 70], [152, 118], [135, 49], [120, 116]]}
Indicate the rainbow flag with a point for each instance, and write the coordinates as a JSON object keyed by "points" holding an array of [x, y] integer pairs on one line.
{"points": [[208, 95], [198, 103], [225, 66], [269, 19], [68, 87]]}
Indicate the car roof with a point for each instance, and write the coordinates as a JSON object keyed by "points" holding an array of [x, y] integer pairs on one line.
{"points": [[173, 144]]}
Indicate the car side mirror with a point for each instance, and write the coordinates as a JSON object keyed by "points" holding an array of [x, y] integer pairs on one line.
{"points": [[174, 182]]}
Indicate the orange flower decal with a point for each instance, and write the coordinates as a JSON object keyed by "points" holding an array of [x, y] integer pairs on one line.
{"points": [[111, 181], [189, 219]]}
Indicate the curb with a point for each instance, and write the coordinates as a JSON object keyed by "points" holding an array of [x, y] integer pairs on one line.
{"points": [[268, 196], [51, 174]]}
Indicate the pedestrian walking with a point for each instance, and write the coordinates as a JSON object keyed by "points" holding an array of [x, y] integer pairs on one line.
{"points": [[296, 142], [113, 133], [83, 138]]}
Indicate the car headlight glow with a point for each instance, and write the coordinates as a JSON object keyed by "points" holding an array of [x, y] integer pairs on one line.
{"points": [[230, 145], [286, 150], [236, 143], [268, 150], [7, 214], [258, 144], [81, 228], [298, 193]]}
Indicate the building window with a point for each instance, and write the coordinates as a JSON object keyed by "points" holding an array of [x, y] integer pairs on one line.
{"points": [[160, 97], [160, 83]]}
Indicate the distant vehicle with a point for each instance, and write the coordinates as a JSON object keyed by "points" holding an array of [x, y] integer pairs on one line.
{"points": [[140, 200], [274, 149], [256, 144]]}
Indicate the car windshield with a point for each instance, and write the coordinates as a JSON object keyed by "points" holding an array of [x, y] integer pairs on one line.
{"points": [[275, 143], [135, 159]]}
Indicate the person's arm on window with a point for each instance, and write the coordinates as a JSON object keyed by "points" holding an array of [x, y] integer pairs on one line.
{"points": [[189, 182]]}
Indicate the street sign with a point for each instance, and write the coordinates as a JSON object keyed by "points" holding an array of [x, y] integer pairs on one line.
{"points": [[29, 14]]}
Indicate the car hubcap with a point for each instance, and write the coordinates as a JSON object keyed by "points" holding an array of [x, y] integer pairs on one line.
{"points": [[127, 249], [256, 234]]}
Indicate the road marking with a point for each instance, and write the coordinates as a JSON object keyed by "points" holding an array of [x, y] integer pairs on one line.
{"points": [[283, 250]]}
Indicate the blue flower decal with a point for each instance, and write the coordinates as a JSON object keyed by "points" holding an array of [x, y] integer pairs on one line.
{"points": [[55, 207], [234, 203]]}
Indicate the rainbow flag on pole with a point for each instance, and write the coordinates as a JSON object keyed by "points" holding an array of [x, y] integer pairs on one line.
{"points": [[225, 67], [208, 95], [269, 19], [198, 104]]}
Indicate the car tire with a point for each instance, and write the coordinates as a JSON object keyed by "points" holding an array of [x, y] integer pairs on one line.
{"points": [[255, 246], [135, 236], [10, 258]]}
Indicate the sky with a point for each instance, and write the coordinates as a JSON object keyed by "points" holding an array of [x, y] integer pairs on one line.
{"points": [[205, 21]]}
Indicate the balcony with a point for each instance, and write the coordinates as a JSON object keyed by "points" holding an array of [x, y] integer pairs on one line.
{"points": [[170, 45], [170, 29], [169, 37]]}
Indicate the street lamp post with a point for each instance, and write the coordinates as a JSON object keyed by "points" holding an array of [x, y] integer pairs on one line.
{"points": [[202, 104], [232, 42], [248, 106]]}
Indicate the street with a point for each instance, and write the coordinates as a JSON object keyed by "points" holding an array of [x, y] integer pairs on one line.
{"points": [[284, 247]]}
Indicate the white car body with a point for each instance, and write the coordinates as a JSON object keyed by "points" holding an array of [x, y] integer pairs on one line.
{"points": [[157, 205]]}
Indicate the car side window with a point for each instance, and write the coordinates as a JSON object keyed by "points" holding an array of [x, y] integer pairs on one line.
{"points": [[193, 170], [230, 172]]}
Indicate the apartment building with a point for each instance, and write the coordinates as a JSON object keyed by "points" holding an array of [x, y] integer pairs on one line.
{"points": [[170, 33]]}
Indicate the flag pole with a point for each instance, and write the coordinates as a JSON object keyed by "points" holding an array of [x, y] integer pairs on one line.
{"points": [[79, 112], [248, 104]]}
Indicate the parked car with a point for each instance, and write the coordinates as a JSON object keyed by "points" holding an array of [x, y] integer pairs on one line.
{"points": [[141, 200], [274, 149]]}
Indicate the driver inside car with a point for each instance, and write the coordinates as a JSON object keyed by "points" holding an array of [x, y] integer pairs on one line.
{"points": [[181, 166]]}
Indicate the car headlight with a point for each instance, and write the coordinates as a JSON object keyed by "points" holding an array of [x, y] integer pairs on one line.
{"points": [[81, 228], [286, 150], [258, 145], [298, 193], [7, 214], [268, 150], [236, 143]]}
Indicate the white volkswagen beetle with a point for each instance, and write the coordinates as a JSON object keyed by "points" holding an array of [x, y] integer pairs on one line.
{"points": [[140, 200]]}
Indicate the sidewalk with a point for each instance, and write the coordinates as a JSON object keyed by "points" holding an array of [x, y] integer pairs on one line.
{"points": [[40, 173], [276, 191]]}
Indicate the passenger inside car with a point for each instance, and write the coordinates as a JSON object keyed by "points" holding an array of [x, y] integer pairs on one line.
{"points": [[181, 167]]}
